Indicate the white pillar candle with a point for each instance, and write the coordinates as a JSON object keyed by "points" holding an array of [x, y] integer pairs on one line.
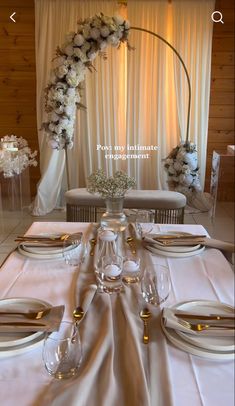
{"points": [[131, 266], [107, 235], [112, 270]]}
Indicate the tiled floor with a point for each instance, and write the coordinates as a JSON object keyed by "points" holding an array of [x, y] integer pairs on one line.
{"points": [[14, 223]]}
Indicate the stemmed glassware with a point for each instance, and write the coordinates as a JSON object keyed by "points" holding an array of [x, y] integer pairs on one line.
{"points": [[144, 222], [62, 352], [74, 249], [155, 284]]}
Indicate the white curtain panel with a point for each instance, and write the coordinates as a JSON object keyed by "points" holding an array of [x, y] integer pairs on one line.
{"points": [[53, 20], [157, 85], [134, 97], [194, 43]]}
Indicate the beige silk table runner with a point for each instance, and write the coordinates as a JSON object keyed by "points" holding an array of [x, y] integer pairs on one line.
{"points": [[117, 368]]}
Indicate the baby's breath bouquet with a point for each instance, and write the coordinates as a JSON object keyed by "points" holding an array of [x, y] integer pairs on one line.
{"points": [[109, 187]]}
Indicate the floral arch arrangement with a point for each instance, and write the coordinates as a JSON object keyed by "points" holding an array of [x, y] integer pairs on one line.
{"points": [[63, 96]]}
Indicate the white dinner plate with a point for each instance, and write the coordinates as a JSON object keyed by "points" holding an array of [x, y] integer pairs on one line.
{"points": [[9, 342], [216, 349], [44, 250], [209, 342], [168, 253], [38, 254], [177, 248]]}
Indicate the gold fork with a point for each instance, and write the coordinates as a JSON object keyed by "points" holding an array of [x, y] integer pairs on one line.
{"points": [[29, 315], [201, 327]]}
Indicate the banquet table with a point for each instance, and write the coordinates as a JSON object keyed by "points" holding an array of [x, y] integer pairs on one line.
{"points": [[117, 368]]}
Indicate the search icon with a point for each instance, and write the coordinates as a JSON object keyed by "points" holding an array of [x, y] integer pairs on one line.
{"points": [[217, 19]]}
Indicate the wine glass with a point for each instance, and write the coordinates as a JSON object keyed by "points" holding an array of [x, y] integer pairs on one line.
{"points": [[74, 249], [62, 351], [156, 284], [144, 222]]}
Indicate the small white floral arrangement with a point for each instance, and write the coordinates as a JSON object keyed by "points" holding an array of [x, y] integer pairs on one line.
{"points": [[182, 169], [13, 161], [109, 187], [63, 93]]}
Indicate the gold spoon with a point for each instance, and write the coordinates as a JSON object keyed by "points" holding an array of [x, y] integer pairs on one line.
{"points": [[93, 242], [131, 243], [78, 314], [145, 316]]}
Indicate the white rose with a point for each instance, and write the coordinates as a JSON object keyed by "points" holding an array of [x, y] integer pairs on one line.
{"points": [[177, 166], [113, 40], [64, 122], [61, 71], [171, 170], [79, 40], [59, 128], [54, 116], [118, 19], [103, 45], [59, 109], [91, 55], [51, 127], [86, 46], [95, 33], [68, 50], [188, 179], [71, 92], [59, 61], [53, 144], [191, 159], [80, 54], [69, 110], [104, 31], [81, 76], [127, 25]]}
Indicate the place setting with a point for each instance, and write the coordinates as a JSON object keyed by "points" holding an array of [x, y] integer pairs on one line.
{"points": [[71, 247], [180, 244], [24, 323], [200, 327]]}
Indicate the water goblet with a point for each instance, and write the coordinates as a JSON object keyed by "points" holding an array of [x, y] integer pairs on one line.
{"points": [[62, 352], [155, 284], [144, 222], [74, 249]]}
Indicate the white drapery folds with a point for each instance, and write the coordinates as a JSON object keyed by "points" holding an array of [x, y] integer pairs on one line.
{"points": [[53, 20], [137, 97]]}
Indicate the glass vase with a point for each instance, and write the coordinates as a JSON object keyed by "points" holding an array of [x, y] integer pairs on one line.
{"points": [[114, 218]]}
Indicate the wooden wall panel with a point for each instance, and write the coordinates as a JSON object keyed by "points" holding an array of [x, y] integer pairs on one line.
{"points": [[221, 117], [18, 76], [18, 79]]}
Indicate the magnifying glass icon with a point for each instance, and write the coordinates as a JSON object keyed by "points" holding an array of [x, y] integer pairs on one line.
{"points": [[217, 17]]}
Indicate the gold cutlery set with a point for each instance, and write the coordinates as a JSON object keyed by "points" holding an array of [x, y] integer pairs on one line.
{"points": [[195, 322]]}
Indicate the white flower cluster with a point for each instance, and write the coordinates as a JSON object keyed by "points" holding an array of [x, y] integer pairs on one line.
{"points": [[76, 54], [14, 162], [182, 169], [109, 187]]}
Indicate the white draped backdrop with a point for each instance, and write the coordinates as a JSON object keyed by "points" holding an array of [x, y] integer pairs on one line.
{"points": [[134, 97]]}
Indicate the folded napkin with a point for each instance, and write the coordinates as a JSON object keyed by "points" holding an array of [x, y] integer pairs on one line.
{"points": [[186, 241], [171, 321], [49, 322]]}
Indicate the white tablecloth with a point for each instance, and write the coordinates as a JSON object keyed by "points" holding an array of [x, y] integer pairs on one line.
{"points": [[117, 368]]}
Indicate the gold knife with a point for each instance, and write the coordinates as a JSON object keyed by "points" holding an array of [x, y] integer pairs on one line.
{"points": [[204, 317]]}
